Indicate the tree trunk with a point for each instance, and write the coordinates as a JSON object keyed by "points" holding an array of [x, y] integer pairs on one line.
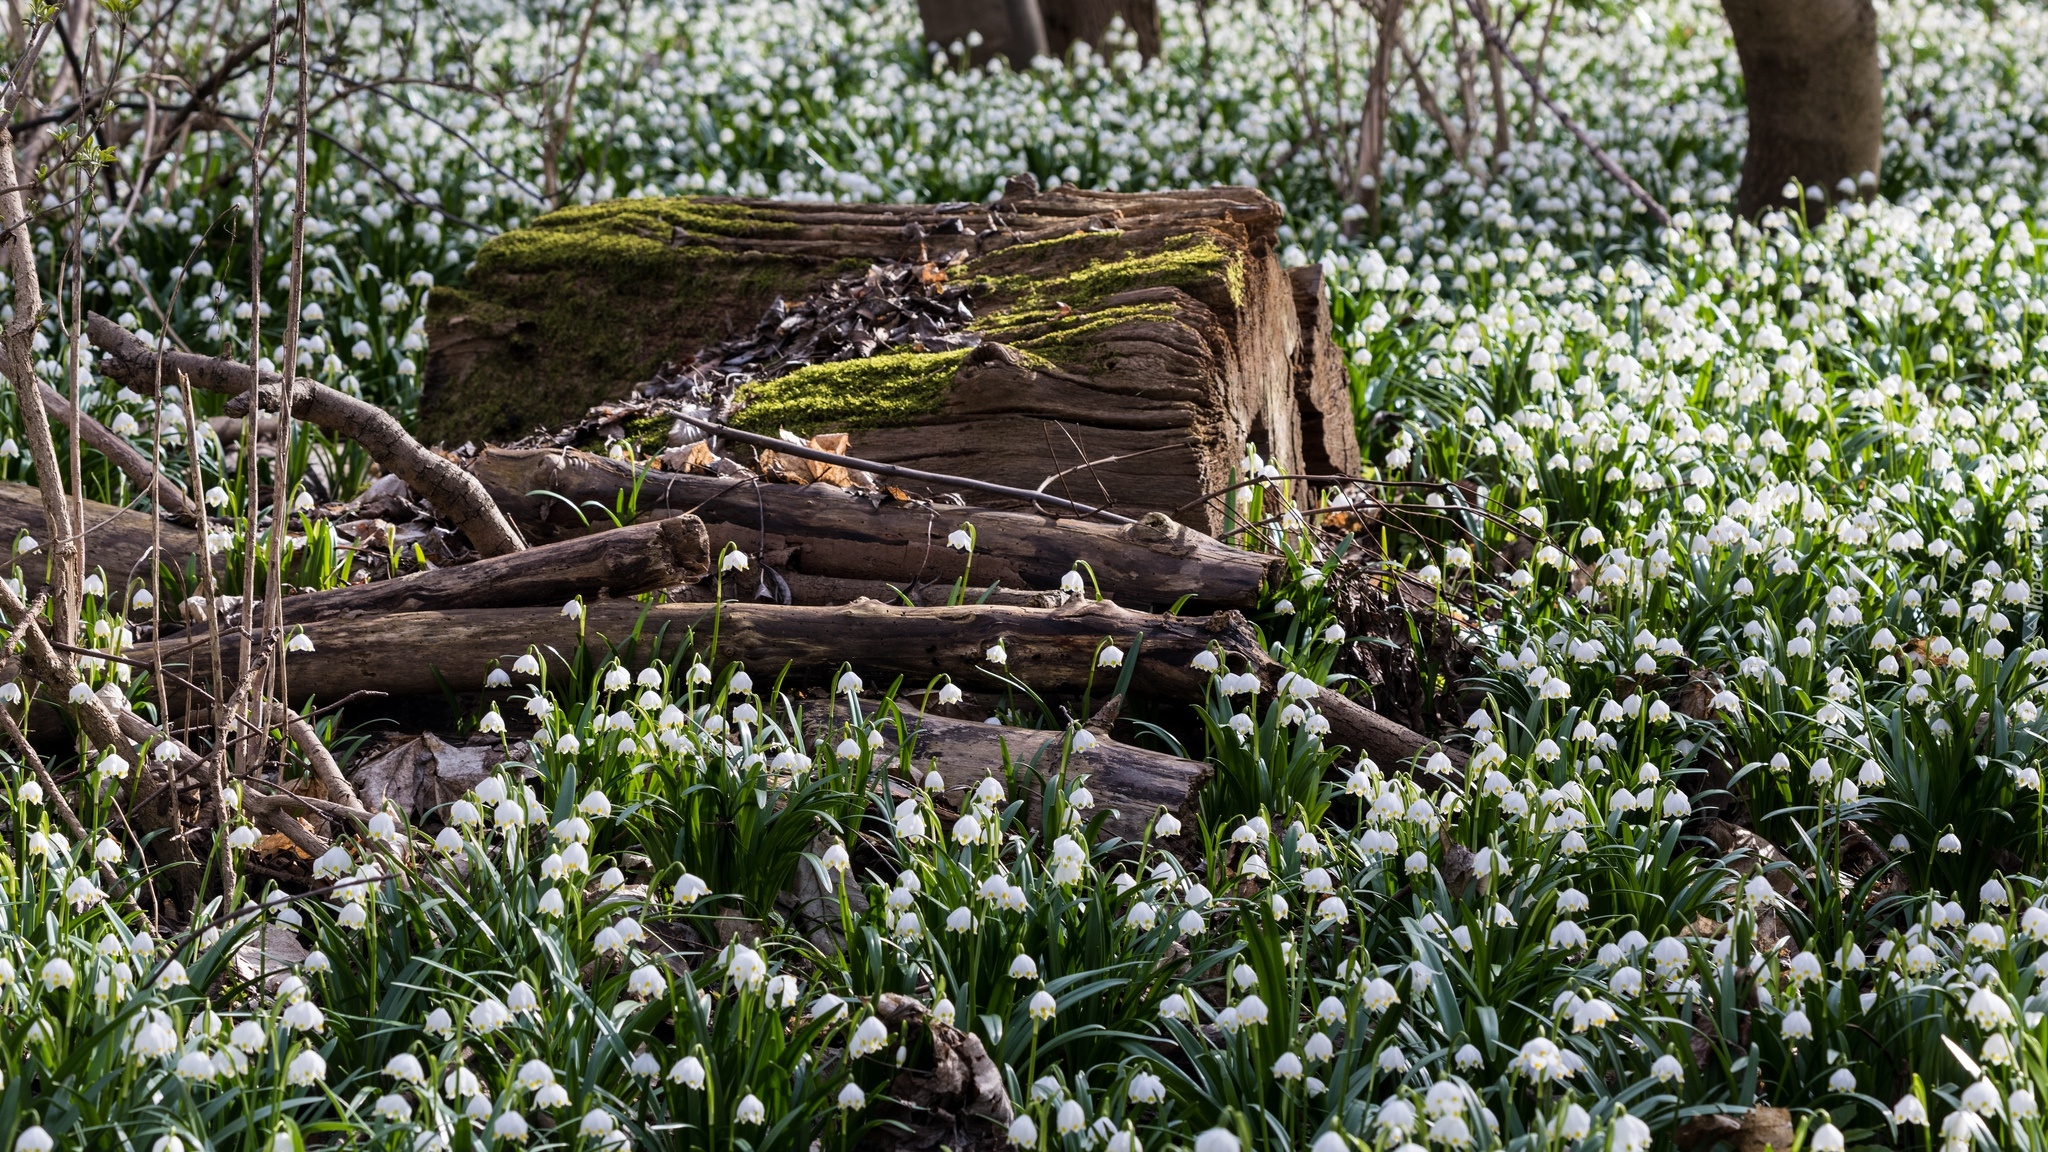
{"points": [[1047, 27], [1816, 99]]}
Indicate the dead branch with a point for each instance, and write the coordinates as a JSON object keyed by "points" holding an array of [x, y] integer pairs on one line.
{"points": [[427, 653], [642, 558], [437, 479], [122, 540], [1607, 163], [325, 770], [17, 361], [132, 463]]}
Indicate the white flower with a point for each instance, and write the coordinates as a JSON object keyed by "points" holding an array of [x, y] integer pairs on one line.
{"points": [[306, 1069], [646, 982], [871, 1036], [689, 1072]]}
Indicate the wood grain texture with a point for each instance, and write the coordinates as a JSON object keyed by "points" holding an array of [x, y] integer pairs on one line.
{"points": [[822, 531], [117, 540], [1113, 323], [427, 653], [1132, 784], [625, 562]]}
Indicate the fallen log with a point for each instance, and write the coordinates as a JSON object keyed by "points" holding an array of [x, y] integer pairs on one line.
{"points": [[435, 478], [116, 539], [1134, 785], [833, 532], [641, 558], [428, 653]]}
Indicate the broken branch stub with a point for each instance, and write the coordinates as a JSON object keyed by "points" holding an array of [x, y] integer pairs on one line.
{"points": [[437, 479]]}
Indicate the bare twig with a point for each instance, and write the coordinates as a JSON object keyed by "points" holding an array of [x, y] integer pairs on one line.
{"points": [[125, 456], [1607, 163]]}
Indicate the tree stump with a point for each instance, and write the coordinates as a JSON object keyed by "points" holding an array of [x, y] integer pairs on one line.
{"points": [[1131, 345]]}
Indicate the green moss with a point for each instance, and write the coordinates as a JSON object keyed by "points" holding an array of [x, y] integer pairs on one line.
{"points": [[570, 318], [1194, 262], [1073, 342], [878, 392]]}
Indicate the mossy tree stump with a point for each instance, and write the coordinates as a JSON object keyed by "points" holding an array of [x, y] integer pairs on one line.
{"points": [[1154, 335]]}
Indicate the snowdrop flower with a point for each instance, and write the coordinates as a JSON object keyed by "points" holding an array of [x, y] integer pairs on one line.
{"points": [[688, 1072], [1796, 1026], [1981, 1098], [510, 1126], [646, 982], [306, 1069], [750, 1111]]}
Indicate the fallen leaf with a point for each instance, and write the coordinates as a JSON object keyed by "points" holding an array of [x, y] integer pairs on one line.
{"points": [[278, 842]]}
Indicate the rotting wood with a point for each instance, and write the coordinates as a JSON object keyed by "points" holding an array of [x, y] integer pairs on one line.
{"points": [[1134, 785], [437, 479], [639, 558], [118, 540], [834, 532], [1152, 334], [429, 653]]}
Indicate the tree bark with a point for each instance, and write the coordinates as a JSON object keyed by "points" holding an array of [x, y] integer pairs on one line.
{"points": [[1133, 784], [629, 561], [428, 653], [1816, 99], [120, 539], [435, 478], [831, 532], [132, 463]]}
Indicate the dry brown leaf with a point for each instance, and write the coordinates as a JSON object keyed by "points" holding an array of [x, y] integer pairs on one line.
{"points": [[278, 842], [698, 457]]}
